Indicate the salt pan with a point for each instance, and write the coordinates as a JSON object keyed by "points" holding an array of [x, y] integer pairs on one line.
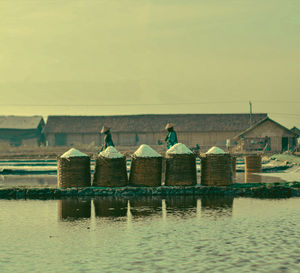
{"points": [[73, 153], [179, 148], [111, 152], [215, 150], [146, 151]]}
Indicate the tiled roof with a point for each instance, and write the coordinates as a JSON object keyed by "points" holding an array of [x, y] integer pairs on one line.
{"points": [[151, 123], [20, 122]]}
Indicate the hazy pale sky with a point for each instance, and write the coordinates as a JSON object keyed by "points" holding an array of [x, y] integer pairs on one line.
{"points": [[150, 56]]}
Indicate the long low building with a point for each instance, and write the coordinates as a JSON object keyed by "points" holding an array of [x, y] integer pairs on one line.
{"points": [[203, 129], [21, 130]]}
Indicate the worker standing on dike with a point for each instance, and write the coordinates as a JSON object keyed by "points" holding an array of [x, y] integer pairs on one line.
{"points": [[107, 138], [171, 138]]}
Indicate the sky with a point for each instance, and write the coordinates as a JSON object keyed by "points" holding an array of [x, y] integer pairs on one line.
{"points": [[111, 57]]}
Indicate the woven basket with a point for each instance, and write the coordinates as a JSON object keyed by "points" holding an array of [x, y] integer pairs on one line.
{"points": [[110, 207], [73, 172], [73, 209], [110, 172], [216, 170], [253, 163], [145, 171], [180, 170]]}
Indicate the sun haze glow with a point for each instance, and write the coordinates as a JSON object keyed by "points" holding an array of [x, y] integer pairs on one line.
{"points": [[127, 57]]}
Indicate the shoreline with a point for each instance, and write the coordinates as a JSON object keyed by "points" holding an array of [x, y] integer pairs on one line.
{"points": [[254, 190]]}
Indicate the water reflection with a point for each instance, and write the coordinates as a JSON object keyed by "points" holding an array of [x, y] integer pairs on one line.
{"points": [[252, 178], [74, 209], [181, 204], [216, 206], [110, 207], [146, 206]]}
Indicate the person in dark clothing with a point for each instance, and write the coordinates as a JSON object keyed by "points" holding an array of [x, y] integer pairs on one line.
{"points": [[107, 138], [267, 143], [171, 137]]}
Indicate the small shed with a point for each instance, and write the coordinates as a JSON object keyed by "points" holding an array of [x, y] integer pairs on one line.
{"points": [[21, 130], [297, 131], [267, 135]]}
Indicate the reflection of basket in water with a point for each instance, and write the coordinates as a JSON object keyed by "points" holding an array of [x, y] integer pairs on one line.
{"points": [[180, 170], [216, 169], [181, 203], [110, 172], [253, 163], [145, 206], [145, 171], [251, 177], [73, 172], [216, 202], [73, 209], [110, 207]]}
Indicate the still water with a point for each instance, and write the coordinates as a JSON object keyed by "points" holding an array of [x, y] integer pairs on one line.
{"points": [[150, 235]]}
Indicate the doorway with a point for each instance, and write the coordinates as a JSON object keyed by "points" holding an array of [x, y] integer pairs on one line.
{"points": [[285, 144]]}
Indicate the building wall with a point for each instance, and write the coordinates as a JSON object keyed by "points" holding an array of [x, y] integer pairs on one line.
{"points": [[206, 139], [20, 137], [50, 140], [4, 143], [91, 139], [33, 142], [73, 139], [30, 142]]}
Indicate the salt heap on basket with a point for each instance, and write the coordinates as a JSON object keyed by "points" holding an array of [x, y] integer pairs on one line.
{"points": [[217, 167], [110, 169], [180, 166], [146, 151], [73, 153], [179, 148], [73, 169], [146, 167], [111, 152], [215, 150]]}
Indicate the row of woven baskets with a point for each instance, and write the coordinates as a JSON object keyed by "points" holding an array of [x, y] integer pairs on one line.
{"points": [[112, 172], [178, 170]]}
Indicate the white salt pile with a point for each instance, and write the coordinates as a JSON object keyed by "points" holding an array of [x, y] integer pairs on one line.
{"points": [[111, 152], [215, 150], [179, 148], [146, 151], [73, 153]]}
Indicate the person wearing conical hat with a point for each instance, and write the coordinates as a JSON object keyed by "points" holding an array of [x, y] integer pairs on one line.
{"points": [[171, 137], [107, 138]]}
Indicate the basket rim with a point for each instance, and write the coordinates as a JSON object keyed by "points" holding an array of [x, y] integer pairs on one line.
{"points": [[73, 157], [108, 158]]}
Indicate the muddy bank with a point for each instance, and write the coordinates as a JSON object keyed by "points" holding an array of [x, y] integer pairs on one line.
{"points": [[262, 190]]}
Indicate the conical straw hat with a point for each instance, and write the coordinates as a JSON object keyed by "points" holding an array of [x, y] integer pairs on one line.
{"points": [[169, 125], [104, 129]]}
